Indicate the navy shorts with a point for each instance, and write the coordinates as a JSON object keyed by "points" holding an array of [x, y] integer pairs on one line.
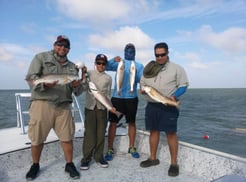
{"points": [[126, 106], [160, 117]]}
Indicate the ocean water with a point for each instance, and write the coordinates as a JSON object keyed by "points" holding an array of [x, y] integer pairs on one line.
{"points": [[218, 113]]}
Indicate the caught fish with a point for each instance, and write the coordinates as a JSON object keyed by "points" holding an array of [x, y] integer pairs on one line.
{"points": [[102, 99], [157, 96], [61, 79], [80, 65], [132, 75], [120, 75]]}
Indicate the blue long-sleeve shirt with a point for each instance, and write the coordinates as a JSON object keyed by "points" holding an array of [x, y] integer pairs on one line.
{"points": [[125, 88]]}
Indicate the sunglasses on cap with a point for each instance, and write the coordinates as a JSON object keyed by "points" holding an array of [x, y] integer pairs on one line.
{"points": [[60, 44], [161, 55], [100, 63]]}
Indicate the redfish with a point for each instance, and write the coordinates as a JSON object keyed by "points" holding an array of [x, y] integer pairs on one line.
{"points": [[132, 75], [157, 96], [61, 79], [102, 99], [120, 75]]}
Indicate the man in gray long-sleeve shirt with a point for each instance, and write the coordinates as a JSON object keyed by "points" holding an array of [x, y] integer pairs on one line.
{"points": [[50, 104], [171, 81]]}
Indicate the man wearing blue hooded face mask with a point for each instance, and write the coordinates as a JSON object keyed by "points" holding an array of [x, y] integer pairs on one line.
{"points": [[130, 52], [125, 98]]}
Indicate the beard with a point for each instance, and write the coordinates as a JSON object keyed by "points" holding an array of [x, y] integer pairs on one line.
{"points": [[60, 58]]}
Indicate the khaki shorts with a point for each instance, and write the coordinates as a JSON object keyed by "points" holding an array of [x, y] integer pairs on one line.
{"points": [[44, 117]]}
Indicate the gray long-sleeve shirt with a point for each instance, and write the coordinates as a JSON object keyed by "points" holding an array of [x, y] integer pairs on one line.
{"points": [[169, 79], [46, 63], [103, 83]]}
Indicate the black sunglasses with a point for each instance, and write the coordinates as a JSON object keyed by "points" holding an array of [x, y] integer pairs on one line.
{"points": [[100, 63], [161, 55], [59, 44]]}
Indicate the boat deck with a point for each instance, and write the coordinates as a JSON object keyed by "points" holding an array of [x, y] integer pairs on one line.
{"points": [[196, 164], [122, 168]]}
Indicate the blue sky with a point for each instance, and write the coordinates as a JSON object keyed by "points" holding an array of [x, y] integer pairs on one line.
{"points": [[206, 37]]}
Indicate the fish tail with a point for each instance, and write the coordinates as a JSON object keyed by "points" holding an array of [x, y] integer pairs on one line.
{"points": [[118, 114], [178, 103]]}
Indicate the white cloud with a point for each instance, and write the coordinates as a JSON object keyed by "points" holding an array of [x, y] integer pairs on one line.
{"points": [[93, 10], [119, 38], [102, 13], [5, 55], [15, 60], [115, 41], [218, 75], [193, 60], [8, 52], [14, 54], [227, 45], [15, 48], [198, 65], [197, 9], [232, 40]]}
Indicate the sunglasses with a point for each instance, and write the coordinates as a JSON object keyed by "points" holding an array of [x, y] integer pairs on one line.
{"points": [[59, 44], [100, 63], [161, 55]]}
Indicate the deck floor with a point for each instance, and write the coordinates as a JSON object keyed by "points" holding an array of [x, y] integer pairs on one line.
{"points": [[195, 164], [122, 168]]}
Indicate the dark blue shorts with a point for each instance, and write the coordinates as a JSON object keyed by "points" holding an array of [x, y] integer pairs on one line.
{"points": [[160, 117], [126, 106]]}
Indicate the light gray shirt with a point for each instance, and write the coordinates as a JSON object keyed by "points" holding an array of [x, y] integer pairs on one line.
{"points": [[103, 83], [169, 79]]}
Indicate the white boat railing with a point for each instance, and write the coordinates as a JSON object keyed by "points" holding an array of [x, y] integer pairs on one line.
{"points": [[24, 110]]}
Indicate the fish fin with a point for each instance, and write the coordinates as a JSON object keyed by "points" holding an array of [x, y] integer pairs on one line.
{"points": [[119, 125], [31, 82], [118, 114]]}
